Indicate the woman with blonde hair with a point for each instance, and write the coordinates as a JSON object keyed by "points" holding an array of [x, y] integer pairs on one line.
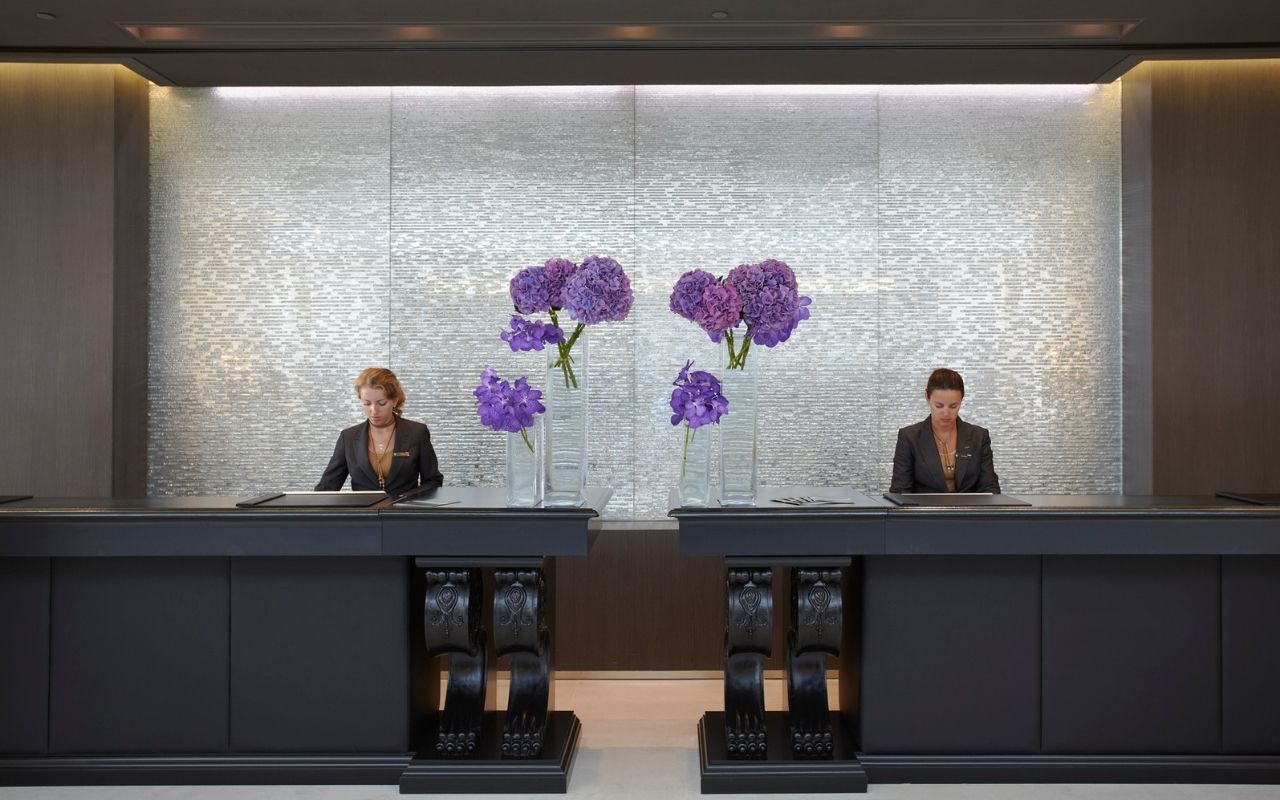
{"points": [[386, 452]]}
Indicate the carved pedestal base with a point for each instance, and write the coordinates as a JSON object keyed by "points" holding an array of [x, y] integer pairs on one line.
{"points": [[748, 641], [451, 627], [467, 746], [520, 631], [806, 748], [816, 620], [781, 772], [488, 771]]}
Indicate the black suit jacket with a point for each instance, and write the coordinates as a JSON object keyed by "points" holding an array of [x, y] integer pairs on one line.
{"points": [[917, 467], [413, 462]]}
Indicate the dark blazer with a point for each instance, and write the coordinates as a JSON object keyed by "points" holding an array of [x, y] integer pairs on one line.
{"points": [[412, 464], [917, 467]]}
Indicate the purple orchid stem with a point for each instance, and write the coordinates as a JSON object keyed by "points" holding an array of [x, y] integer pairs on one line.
{"points": [[688, 434]]}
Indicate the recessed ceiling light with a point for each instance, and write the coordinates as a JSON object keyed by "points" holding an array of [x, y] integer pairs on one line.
{"points": [[46, 15], [719, 14]]}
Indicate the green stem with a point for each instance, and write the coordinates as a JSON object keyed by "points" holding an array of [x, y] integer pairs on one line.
{"points": [[688, 432], [574, 338], [565, 361], [527, 441], [737, 360]]}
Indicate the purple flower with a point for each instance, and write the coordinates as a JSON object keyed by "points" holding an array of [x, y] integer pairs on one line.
{"points": [[768, 294], [525, 402], [528, 334], [529, 290], [686, 297], [697, 400], [598, 291], [774, 338], [504, 407], [778, 273], [764, 295], [714, 305], [557, 271], [719, 310]]}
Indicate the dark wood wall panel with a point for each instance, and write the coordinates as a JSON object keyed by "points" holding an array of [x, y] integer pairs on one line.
{"points": [[69, 131], [1215, 247], [56, 224], [131, 282], [1135, 182], [636, 604]]}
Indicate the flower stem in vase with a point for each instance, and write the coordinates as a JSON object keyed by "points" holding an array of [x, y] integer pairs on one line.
{"points": [[565, 361], [737, 360]]}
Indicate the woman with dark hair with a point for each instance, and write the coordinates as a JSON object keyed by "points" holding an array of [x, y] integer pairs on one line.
{"points": [[944, 453], [386, 452]]}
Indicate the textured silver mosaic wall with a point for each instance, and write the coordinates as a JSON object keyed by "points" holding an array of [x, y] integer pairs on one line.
{"points": [[301, 235]]}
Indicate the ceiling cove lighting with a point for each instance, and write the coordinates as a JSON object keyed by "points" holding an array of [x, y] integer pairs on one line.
{"points": [[749, 89], [709, 32], [1062, 91], [260, 92], [509, 91]]}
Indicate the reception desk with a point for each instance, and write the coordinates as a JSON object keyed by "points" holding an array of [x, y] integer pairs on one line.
{"points": [[184, 640], [1075, 638]]}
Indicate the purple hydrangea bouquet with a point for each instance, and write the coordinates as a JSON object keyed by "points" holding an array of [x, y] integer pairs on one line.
{"points": [[505, 406], [697, 401], [595, 291], [764, 296]]}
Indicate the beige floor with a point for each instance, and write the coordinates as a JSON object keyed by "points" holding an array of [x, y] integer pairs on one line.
{"points": [[639, 744]]}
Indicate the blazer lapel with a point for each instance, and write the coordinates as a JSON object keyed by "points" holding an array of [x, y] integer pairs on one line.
{"points": [[928, 449], [362, 454], [964, 451]]}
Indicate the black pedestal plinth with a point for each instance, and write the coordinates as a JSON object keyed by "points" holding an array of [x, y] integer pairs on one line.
{"points": [[487, 772], [779, 772]]}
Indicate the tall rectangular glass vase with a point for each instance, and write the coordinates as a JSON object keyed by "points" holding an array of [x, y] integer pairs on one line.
{"points": [[738, 432], [565, 425], [695, 466], [524, 466]]}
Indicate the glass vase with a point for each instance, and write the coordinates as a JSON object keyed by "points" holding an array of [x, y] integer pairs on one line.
{"points": [[695, 467], [565, 424], [738, 431], [524, 467]]}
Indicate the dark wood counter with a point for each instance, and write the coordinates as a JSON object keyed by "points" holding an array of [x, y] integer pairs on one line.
{"points": [[1077, 638], [184, 640]]}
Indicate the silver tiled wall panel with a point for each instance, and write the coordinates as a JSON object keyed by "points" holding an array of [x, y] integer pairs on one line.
{"points": [[301, 235], [269, 282]]}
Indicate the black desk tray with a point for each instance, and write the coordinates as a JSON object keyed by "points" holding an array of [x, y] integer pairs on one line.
{"points": [[950, 499]]}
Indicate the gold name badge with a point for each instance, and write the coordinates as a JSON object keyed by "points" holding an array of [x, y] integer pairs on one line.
{"points": [[401, 454]]}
